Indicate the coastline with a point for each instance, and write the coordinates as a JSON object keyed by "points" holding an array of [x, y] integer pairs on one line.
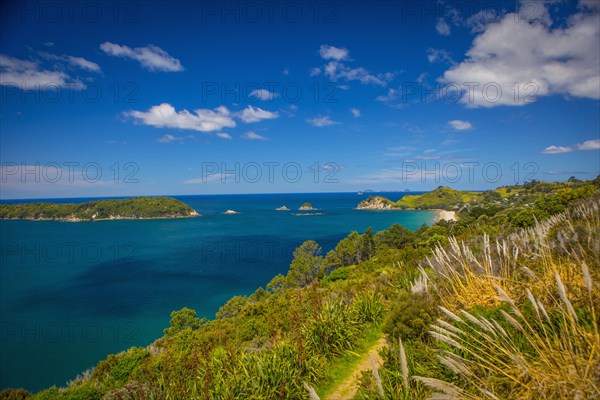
{"points": [[102, 219], [440, 213], [445, 215]]}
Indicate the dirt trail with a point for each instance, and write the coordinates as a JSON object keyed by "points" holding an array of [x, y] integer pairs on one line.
{"points": [[347, 388]]}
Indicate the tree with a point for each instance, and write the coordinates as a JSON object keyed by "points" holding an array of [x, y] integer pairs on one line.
{"points": [[305, 265], [349, 249], [232, 307], [184, 319], [396, 236], [368, 245], [277, 284]]}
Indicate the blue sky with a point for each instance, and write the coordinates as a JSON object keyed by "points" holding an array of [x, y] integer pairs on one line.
{"points": [[141, 98]]}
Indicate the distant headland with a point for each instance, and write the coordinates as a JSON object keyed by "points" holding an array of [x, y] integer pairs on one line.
{"points": [[444, 200], [100, 210]]}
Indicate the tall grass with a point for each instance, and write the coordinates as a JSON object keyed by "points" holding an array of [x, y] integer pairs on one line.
{"points": [[545, 342]]}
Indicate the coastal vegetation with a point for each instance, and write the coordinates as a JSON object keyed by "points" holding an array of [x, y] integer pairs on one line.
{"points": [[132, 208], [443, 197], [500, 304]]}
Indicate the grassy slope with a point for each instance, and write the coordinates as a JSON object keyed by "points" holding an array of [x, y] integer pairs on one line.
{"points": [[137, 207], [442, 197]]}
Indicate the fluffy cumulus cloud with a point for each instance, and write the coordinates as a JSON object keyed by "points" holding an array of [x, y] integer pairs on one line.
{"points": [[255, 114], [203, 120], [328, 52], [29, 75], [321, 121], [251, 135], [263, 94], [587, 145], [459, 125], [150, 57], [516, 60]]}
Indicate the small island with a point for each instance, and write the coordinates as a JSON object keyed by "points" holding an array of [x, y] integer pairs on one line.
{"points": [[306, 207], [230, 212], [99, 210], [282, 208]]}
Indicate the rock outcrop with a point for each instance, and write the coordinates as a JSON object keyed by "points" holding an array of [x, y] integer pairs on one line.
{"points": [[376, 203]]}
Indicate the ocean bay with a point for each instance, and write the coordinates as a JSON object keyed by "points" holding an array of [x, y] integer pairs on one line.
{"points": [[71, 293]]}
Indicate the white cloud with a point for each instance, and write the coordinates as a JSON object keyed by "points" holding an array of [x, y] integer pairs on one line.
{"points": [[224, 135], [316, 71], [328, 52], [355, 112], [203, 120], [251, 135], [321, 121], [589, 4], [256, 114], [28, 75], [442, 27], [422, 78], [391, 95], [459, 125], [263, 94], [84, 64], [150, 57], [587, 145], [208, 178], [169, 138], [557, 150], [439, 55], [541, 60], [335, 70], [478, 22], [78, 62]]}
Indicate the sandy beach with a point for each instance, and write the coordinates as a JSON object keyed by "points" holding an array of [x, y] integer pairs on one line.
{"points": [[447, 215]]}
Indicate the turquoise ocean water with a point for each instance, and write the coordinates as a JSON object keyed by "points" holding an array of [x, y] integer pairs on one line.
{"points": [[71, 293]]}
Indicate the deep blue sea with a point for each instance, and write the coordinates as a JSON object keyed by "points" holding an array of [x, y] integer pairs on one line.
{"points": [[71, 293]]}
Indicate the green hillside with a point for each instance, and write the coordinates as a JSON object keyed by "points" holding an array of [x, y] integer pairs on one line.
{"points": [[483, 307], [133, 208], [442, 197]]}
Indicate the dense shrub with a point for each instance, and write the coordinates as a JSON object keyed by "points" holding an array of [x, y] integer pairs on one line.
{"points": [[116, 369], [13, 394], [409, 317], [369, 307], [332, 331]]}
